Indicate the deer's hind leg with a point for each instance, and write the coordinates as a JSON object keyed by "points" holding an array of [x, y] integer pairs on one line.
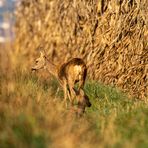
{"points": [[72, 92], [65, 93], [82, 80], [81, 85], [68, 94]]}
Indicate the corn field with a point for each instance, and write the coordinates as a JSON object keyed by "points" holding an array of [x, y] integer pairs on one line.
{"points": [[111, 36]]}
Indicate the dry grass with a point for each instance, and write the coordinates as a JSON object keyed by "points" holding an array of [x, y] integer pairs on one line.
{"points": [[32, 114]]}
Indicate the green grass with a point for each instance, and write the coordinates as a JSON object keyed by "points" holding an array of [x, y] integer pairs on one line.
{"points": [[127, 116], [32, 115]]}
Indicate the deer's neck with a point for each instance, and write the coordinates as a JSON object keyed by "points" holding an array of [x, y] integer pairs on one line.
{"points": [[51, 68]]}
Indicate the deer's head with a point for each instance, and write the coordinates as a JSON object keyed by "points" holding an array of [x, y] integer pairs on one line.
{"points": [[40, 62]]}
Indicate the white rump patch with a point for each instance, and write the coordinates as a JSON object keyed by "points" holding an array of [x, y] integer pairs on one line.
{"points": [[78, 68], [78, 71]]}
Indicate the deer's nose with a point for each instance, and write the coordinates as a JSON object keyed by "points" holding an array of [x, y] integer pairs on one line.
{"points": [[33, 69]]}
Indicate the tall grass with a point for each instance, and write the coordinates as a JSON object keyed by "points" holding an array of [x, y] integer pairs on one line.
{"points": [[32, 114]]}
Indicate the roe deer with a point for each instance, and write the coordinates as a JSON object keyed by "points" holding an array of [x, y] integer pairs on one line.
{"points": [[68, 74], [83, 102]]}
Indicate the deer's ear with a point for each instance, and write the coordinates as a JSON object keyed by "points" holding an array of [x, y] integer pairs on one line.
{"points": [[42, 54]]}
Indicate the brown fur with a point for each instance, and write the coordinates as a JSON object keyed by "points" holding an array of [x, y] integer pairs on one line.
{"points": [[68, 74], [83, 102]]}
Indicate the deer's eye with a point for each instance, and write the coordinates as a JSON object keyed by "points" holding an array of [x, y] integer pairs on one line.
{"points": [[36, 61]]}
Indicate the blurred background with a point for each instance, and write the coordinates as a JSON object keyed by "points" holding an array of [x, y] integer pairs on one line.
{"points": [[7, 20]]}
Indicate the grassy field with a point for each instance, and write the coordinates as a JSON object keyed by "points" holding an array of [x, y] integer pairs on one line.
{"points": [[32, 114], [111, 37]]}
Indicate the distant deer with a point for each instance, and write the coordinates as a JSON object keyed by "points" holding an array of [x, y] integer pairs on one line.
{"points": [[68, 74]]}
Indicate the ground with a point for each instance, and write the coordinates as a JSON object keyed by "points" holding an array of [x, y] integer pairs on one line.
{"points": [[32, 114]]}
